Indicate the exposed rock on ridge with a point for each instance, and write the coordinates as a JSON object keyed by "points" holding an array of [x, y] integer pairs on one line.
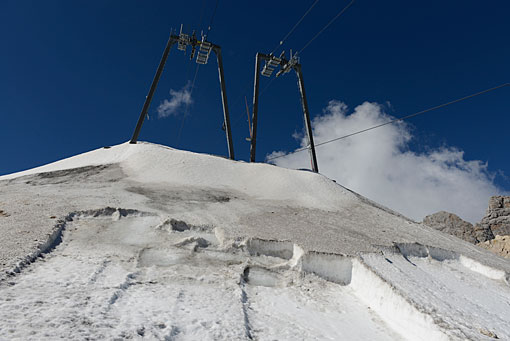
{"points": [[497, 218], [499, 245], [492, 233], [454, 225]]}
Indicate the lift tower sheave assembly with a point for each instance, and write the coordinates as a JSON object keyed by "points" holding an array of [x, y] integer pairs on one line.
{"points": [[286, 65], [202, 48]]}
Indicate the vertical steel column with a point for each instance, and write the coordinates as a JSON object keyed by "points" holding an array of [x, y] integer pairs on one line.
{"points": [[253, 141], [228, 131], [154, 84], [304, 103]]}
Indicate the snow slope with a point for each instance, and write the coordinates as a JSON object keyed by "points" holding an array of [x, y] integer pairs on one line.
{"points": [[145, 241]]}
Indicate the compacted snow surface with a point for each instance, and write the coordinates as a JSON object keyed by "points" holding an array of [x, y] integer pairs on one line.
{"points": [[146, 242]]}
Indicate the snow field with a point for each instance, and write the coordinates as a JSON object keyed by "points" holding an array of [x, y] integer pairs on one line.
{"points": [[484, 270], [101, 282], [444, 294], [126, 274], [228, 250], [398, 312]]}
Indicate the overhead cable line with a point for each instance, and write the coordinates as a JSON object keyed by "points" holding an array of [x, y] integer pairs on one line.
{"points": [[202, 11], [186, 110], [395, 120], [282, 41], [212, 17], [295, 26], [327, 25], [306, 45]]}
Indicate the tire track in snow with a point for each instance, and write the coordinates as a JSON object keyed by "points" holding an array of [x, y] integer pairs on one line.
{"points": [[245, 303], [54, 239], [123, 287], [100, 270]]}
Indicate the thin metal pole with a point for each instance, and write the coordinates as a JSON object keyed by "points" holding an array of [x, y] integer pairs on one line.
{"points": [[253, 141], [306, 113], [228, 131], [154, 84]]}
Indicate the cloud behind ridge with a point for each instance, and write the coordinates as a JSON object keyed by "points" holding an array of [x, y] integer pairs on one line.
{"points": [[379, 165]]}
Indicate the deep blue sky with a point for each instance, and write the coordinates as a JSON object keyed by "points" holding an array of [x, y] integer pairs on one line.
{"points": [[74, 74]]}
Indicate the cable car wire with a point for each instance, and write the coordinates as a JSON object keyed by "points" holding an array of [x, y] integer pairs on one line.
{"points": [[202, 11], [395, 120], [342, 11], [187, 108], [282, 41], [295, 26], [328, 24], [212, 17]]}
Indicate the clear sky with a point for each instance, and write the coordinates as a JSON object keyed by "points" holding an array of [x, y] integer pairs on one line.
{"points": [[74, 74]]}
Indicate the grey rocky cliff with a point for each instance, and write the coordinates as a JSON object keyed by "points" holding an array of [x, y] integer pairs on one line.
{"points": [[452, 224], [492, 233], [497, 218]]}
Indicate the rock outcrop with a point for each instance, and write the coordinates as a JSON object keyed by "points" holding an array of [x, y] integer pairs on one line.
{"points": [[497, 218], [499, 245], [492, 233], [452, 224]]}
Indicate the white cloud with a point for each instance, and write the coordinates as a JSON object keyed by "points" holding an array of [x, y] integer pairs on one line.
{"points": [[178, 100], [379, 165]]}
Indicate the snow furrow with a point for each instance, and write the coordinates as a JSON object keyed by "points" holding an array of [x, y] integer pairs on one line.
{"points": [[127, 274], [245, 304]]}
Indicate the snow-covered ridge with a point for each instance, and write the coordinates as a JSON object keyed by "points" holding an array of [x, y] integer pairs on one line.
{"points": [[215, 249], [151, 163], [253, 199]]}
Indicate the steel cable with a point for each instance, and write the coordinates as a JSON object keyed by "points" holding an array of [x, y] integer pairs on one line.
{"points": [[395, 120]]}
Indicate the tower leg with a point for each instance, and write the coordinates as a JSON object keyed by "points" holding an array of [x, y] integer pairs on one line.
{"points": [[228, 130], [308, 126], [254, 118], [154, 84]]}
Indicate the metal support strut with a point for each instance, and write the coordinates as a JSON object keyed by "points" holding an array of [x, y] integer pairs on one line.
{"points": [[306, 114], [154, 84], [253, 135], [226, 116]]}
